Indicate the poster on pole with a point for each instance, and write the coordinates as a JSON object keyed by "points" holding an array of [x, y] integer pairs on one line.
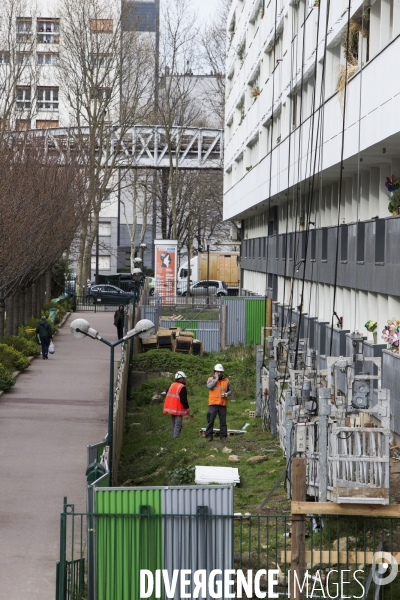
{"points": [[165, 270]]}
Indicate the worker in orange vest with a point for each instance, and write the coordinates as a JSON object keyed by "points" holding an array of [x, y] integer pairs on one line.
{"points": [[176, 402], [219, 390]]}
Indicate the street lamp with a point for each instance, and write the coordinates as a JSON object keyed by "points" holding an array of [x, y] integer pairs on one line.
{"points": [[208, 270], [142, 248], [80, 328]]}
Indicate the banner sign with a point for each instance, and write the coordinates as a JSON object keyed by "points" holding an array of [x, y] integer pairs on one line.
{"points": [[165, 270]]}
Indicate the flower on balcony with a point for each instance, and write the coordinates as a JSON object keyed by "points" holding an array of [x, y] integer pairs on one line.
{"points": [[391, 334], [393, 183]]}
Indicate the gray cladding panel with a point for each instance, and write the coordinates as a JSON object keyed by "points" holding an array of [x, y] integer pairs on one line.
{"points": [[368, 276], [200, 542], [140, 16], [235, 321]]}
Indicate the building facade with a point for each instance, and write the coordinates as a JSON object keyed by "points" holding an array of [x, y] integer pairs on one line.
{"points": [[39, 90], [312, 134]]}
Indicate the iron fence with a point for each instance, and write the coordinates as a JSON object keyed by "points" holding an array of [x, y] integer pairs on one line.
{"points": [[339, 557], [98, 304]]}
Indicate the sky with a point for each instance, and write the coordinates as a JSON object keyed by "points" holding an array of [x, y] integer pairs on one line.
{"points": [[204, 7]]}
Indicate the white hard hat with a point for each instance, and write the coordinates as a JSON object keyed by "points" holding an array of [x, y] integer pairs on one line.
{"points": [[219, 368], [179, 375]]}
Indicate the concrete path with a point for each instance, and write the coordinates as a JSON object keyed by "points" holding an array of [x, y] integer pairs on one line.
{"points": [[56, 408]]}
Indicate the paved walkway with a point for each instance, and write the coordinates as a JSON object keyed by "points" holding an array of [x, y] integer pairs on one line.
{"points": [[56, 408]]}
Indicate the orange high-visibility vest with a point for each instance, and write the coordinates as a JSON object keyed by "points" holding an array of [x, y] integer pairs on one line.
{"points": [[214, 395], [172, 404]]}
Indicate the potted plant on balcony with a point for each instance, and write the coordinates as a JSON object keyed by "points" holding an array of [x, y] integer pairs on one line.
{"points": [[302, 222], [255, 91], [394, 203]]}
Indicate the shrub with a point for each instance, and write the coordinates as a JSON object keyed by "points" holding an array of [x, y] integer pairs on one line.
{"points": [[26, 347], [143, 394], [6, 378], [31, 325], [180, 476], [12, 359]]}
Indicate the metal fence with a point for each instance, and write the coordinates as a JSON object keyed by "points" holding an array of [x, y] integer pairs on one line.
{"points": [[339, 558], [208, 332], [100, 304]]}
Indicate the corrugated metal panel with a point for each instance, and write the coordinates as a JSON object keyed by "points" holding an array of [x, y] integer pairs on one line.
{"points": [[125, 545], [211, 339], [255, 320], [235, 320], [204, 541], [152, 313]]}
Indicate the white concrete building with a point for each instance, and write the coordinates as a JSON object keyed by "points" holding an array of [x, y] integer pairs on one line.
{"points": [[306, 165]]}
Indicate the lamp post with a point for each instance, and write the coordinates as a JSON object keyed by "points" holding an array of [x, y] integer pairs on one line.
{"points": [[208, 270], [80, 328]]}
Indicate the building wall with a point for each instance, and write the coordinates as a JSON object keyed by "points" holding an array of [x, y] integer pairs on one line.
{"points": [[304, 171]]}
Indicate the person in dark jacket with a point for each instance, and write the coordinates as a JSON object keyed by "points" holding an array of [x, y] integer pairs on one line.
{"points": [[119, 318], [176, 402], [46, 335]]}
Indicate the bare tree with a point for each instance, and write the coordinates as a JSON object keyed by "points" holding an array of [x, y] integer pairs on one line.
{"points": [[106, 76], [137, 201], [177, 107], [213, 40], [41, 200]]}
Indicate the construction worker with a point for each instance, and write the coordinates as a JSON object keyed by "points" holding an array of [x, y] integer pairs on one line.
{"points": [[218, 394], [176, 403]]}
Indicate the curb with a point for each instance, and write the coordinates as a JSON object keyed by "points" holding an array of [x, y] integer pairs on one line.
{"points": [[32, 358]]}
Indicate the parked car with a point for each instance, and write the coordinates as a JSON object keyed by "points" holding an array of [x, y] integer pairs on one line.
{"points": [[98, 293], [208, 288]]}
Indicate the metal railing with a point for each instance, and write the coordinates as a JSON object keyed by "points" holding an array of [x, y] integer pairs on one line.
{"points": [[89, 303], [339, 551]]}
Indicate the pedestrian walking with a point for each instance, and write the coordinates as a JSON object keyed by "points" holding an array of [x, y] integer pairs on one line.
{"points": [[176, 402], [119, 320], [45, 335], [219, 390]]}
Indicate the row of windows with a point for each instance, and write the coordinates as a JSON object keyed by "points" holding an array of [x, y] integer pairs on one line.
{"points": [[47, 97], [48, 30], [52, 58], [293, 245]]}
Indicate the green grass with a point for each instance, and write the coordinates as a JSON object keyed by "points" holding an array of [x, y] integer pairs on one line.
{"points": [[150, 456]]}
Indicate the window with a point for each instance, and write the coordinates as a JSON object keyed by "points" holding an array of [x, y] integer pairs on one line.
{"points": [[23, 98], [291, 236], [104, 263], [344, 236], [100, 60], [101, 93], [23, 58], [46, 124], [324, 255], [4, 57], [101, 25], [283, 237], [105, 229], [380, 234], [47, 58], [47, 98], [24, 29], [313, 240], [302, 245], [48, 31], [360, 241]]}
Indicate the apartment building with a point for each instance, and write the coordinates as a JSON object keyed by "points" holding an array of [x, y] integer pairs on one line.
{"points": [[38, 89], [312, 134]]}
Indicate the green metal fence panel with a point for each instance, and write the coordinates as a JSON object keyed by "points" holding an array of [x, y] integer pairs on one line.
{"points": [[128, 543], [255, 320]]}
